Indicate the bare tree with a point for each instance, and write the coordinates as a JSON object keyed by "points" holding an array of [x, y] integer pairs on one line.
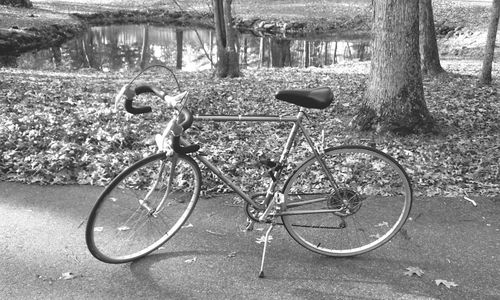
{"points": [[228, 58], [489, 49], [394, 99], [428, 45]]}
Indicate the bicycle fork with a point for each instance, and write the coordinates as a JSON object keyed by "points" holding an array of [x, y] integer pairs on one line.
{"points": [[154, 211]]}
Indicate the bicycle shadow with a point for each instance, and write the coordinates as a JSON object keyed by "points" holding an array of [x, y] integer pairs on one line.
{"points": [[142, 271]]}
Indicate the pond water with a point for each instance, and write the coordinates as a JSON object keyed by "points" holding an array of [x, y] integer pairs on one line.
{"points": [[131, 47]]}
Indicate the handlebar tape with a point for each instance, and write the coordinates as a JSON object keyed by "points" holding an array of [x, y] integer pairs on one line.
{"points": [[129, 107], [136, 110], [176, 146], [185, 121]]}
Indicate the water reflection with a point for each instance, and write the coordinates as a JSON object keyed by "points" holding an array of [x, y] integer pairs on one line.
{"points": [[131, 47]]}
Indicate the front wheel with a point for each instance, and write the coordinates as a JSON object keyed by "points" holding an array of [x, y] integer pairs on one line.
{"points": [[353, 203], [128, 221]]}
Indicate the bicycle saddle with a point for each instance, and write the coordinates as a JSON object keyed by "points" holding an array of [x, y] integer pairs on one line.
{"points": [[319, 98]]}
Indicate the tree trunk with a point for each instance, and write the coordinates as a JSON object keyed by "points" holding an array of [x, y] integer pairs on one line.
{"points": [[179, 34], [56, 56], [228, 59], [145, 47], [326, 49], [394, 99], [428, 45], [306, 54], [280, 53], [262, 52], [335, 53], [489, 49]]}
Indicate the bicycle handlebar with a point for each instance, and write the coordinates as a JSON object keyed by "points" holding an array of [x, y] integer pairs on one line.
{"points": [[141, 89], [184, 120]]}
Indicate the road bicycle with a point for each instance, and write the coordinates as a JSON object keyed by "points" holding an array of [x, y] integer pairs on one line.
{"points": [[340, 201]]}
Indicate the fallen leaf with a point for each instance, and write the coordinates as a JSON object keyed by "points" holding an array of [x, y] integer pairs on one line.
{"points": [[98, 229], [67, 276], [446, 283], [123, 228], [189, 261], [414, 270], [404, 233], [214, 233], [382, 224], [262, 239], [45, 278]]}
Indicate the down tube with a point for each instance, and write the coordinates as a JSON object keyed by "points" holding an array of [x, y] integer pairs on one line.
{"points": [[227, 181]]}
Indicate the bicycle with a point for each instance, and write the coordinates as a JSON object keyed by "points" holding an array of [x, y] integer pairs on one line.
{"points": [[340, 201]]}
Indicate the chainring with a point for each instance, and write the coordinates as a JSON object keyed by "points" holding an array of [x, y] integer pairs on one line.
{"points": [[251, 211]]}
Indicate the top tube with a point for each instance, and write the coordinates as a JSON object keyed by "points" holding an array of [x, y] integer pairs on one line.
{"points": [[245, 118]]}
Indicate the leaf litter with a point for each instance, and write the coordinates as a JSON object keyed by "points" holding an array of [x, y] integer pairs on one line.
{"points": [[59, 129]]}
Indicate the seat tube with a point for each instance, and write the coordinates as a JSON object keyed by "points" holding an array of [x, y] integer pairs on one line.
{"points": [[284, 155], [291, 137], [318, 157]]}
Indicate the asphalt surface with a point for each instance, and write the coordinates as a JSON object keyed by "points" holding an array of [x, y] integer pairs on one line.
{"points": [[42, 240]]}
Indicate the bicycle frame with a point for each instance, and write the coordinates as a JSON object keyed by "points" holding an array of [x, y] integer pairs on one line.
{"points": [[297, 126]]}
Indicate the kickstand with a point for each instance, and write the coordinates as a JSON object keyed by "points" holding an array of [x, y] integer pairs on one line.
{"points": [[261, 274]]}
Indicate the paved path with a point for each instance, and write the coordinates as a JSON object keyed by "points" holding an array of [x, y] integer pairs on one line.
{"points": [[42, 237]]}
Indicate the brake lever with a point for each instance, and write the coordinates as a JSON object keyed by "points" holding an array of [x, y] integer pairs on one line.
{"points": [[172, 101]]}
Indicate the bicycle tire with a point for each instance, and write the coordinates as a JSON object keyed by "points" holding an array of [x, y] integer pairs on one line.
{"points": [[371, 203], [121, 229]]}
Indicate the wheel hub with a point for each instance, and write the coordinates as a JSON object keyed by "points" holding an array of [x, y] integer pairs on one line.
{"points": [[346, 201]]}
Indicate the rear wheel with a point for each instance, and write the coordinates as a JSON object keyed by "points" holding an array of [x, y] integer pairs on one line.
{"points": [[126, 222], [365, 208]]}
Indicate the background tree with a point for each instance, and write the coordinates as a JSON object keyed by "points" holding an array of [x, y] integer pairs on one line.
{"points": [[428, 45], [489, 49], [394, 99], [227, 56], [179, 43]]}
